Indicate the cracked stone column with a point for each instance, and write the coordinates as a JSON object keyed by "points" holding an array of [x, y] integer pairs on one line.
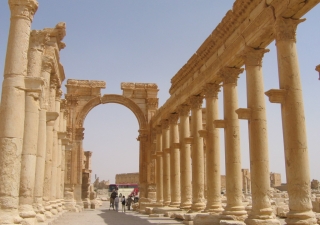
{"points": [[13, 107], [234, 209], [185, 159], [174, 160], [29, 150], [293, 120], [166, 161], [159, 165], [213, 149], [255, 113], [198, 200]]}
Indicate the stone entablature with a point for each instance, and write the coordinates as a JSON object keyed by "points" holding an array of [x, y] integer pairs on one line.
{"points": [[249, 23], [125, 178]]}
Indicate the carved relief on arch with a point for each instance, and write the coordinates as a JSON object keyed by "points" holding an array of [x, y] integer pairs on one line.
{"points": [[86, 109], [127, 102]]}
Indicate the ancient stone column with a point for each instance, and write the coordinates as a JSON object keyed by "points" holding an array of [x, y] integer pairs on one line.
{"points": [[213, 174], [185, 159], [13, 114], [61, 136], [29, 149], [50, 118], [234, 205], [255, 113], [143, 146], [174, 160], [293, 122], [159, 165], [198, 200], [65, 142], [166, 161], [46, 68]]}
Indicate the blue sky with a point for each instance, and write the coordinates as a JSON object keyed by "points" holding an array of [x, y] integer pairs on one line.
{"points": [[149, 41]]}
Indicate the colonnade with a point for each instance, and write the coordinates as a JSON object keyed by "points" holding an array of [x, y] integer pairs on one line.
{"points": [[188, 191], [33, 122]]}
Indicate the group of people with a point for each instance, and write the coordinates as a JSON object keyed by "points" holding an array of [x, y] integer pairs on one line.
{"points": [[115, 199]]}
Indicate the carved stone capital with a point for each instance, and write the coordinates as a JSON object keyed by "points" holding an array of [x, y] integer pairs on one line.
{"points": [[183, 110], [173, 118], [230, 74], [164, 124], [211, 90], [253, 57], [318, 68], [152, 103], [23, 9], [285, 29], [58, 94], [79, 133], [143, 136], [38, 39], [72, 101], [195, 101], [63, 105], [54, 82]]}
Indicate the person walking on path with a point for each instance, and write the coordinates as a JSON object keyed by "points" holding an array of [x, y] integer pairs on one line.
{"points": [[112, 197], [129, 201], [123, 204], [116, 203]]}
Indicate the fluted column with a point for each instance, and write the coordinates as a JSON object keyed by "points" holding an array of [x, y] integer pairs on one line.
{"points": [[234, 205], [159, 165], [166, 162], [185, 159], [13, 114], [255, 113], [198, 200], [212, 149], [293, 121], [174, 161]]}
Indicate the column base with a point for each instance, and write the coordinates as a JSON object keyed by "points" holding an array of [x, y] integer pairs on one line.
{"points": [[166, 203], [198, 207], [185, 205], [10, 217], [301, 218], [214, 209], [262, 222], [28, 215], [175, 204]]}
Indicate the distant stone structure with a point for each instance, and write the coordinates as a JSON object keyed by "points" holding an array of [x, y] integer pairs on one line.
{"points": [[315, 184], [125, 178], [275, 179], [101, 184]]}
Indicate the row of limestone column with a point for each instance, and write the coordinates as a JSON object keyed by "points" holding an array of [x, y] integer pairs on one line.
{"points": [[181, 183], [31, 174]]}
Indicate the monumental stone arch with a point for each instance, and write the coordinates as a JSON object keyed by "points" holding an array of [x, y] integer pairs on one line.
{"points": [[82, 96], [41, 156]]}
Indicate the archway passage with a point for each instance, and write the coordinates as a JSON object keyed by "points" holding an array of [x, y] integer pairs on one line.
{"points": [[84, 95]]}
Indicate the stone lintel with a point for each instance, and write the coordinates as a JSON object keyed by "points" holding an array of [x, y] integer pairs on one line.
{"points": [[52, 116], [219, 123], [244, 113], [62, 135], [202, 133], [188, 140], [276, 95]]}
